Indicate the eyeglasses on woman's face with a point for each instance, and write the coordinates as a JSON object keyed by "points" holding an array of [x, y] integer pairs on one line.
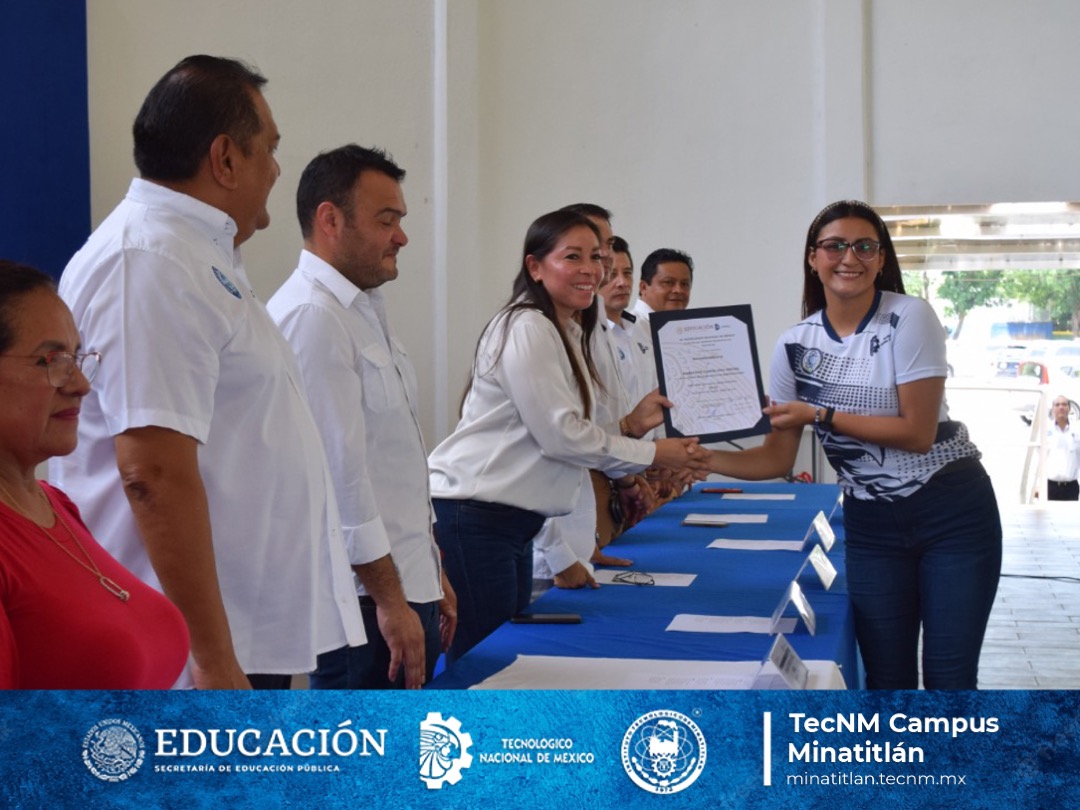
{"points": [[60, 366], [835, 249]]}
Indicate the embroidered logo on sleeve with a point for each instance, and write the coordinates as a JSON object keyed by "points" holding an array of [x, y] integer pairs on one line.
{"points": [[228, 285]]}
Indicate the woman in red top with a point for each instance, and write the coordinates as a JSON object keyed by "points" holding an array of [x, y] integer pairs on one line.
{"points": [[71, 617]]}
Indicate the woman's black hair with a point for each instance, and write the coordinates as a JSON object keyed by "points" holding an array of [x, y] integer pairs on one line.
{"points": [[528, 293], [16, 281], [890, 278]]}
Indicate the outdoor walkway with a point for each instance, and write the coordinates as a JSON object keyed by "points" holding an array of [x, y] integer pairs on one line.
{"points": [[1033, 640]]}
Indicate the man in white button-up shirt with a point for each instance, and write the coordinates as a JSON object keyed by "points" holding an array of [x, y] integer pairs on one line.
{"points": [[364, 395], [666, 278], [1062, 454], [633, 352], [198, 417]]}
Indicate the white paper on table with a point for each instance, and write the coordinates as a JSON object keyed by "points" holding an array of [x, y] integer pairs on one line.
{"points": [[561, 672], [757, 545], [704, 520], [606, 576], [713, 519], [682, 680], [758, 496], [696, 623]]}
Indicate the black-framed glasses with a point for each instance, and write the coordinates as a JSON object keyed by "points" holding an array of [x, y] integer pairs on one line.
{"points": [[60, 366], [633, 578], [864, 249]]}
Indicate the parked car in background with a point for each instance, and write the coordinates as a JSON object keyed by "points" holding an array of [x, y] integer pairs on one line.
{"points": [[979, 360], [1006, 360], [1053, 366], [1049, 360]]}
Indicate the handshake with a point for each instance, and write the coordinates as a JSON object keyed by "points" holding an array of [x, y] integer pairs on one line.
{"points": [[684, 457]]}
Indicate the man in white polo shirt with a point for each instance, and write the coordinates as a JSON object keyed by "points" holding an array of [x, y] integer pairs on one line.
{"points": [[199, 465], [364, 395]]}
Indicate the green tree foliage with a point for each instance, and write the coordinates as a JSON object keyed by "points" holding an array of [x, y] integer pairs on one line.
{"points": [[969, 289], [1056, 291], [916, 283]]}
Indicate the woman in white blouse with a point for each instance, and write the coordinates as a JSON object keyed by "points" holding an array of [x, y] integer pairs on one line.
{"points": [[525, 433]]}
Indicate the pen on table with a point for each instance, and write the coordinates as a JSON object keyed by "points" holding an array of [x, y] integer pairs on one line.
{"points": [[721, 490]]}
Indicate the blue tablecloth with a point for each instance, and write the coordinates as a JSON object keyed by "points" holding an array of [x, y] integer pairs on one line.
{"points": [[621, 621]]}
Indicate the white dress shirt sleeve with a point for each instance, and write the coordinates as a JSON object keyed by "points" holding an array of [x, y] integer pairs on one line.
{"points": [[167, 376], [532, 372], [552, 546], [328, 366]]}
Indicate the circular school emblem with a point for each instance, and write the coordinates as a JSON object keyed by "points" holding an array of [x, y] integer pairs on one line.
{"points": [[663, 752]]}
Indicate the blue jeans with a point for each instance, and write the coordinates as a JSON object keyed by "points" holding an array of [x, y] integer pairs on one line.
{"points": [[487, 556], [931, 559], [366, 667]]}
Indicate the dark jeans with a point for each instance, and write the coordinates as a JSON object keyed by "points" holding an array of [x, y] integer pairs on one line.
{"points": [[366, 667], [931, 559], [1062, 491], [487, 556]]}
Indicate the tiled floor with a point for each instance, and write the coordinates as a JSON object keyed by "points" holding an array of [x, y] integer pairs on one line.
{"points": [[1033, 639]]}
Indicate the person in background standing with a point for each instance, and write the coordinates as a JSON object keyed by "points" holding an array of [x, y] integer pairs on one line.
{"points": [[71, 617], [526, 432], [666, 278], [363, 393], [1062, 454], [199, 464]]}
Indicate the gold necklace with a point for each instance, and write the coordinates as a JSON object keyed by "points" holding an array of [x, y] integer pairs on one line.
{"points": [[107, 583]]}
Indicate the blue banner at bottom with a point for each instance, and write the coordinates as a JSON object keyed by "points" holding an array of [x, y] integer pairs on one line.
{"points": [[537, 749]]}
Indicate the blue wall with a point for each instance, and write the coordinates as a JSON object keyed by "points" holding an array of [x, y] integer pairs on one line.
{"points": [[44, 132]]}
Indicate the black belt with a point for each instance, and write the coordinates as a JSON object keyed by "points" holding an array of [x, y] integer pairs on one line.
{"points": [[1062, 483]]}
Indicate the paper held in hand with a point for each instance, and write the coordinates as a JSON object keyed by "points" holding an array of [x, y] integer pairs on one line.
{"points": [[707, 364]]}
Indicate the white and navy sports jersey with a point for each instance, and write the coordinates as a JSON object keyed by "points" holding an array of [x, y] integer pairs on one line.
{"points": [[899, 341]]}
